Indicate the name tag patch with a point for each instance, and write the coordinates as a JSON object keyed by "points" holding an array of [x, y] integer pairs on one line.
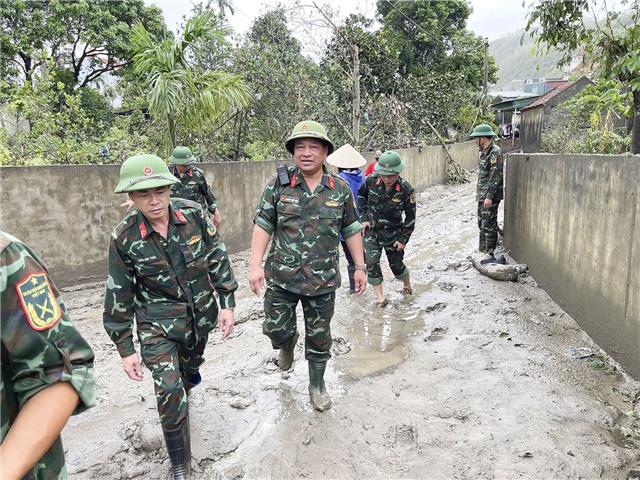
{"points": [[287, 199]]}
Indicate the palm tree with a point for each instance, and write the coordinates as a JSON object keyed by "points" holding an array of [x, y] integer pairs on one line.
{"points": [[178, 90]]}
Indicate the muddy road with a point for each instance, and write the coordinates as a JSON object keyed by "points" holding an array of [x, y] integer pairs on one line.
{"points": [[469, 378]]}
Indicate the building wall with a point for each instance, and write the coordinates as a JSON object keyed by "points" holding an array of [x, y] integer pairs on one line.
{"points": [[531, 129], [575, 220], [66, 213]]}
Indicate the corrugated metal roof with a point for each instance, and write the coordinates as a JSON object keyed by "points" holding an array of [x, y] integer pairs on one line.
{"points": [[540, 101], [512, 104]]}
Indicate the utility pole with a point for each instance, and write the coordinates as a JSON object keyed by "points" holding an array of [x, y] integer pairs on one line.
{"points": [[485, 77]]}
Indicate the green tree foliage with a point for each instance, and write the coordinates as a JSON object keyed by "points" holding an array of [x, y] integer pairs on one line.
{"points": [[176, 89], [89, 38], [611, 41], [441, 62]]}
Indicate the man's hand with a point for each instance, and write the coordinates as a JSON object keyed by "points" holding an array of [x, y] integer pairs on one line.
{"points": [[360, 278], [217, 219], [129, 204], [256, 279], [132, 368], [488, 203], [399, 246], [226, 320]]}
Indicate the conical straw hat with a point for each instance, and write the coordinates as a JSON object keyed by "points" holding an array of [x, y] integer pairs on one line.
{"points": [[346, 157]]}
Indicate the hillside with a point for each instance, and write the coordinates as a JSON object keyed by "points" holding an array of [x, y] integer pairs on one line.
{"points": [[518, 61]]}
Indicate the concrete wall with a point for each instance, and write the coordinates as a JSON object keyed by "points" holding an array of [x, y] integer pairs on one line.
{"points": [[575, 220], [66, 213]]}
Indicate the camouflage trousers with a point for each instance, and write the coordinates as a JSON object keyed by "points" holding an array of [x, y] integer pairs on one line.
{"points": [[372, 255], [488, 225], [171, 354], [280, 323]]}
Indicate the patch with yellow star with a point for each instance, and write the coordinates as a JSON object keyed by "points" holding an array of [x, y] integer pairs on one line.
{"points": [[38, 301]]}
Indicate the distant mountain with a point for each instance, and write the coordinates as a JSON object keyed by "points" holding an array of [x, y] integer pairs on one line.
{"points": [[519, 62]]}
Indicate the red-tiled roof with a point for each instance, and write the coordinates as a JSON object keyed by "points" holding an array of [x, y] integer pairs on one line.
{"points": [[547, 96]]}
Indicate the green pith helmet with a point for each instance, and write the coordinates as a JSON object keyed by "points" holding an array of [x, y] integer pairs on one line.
{"points": [[389, 163], [142, 172], [182, 156], [308, 129], [483, 130]]}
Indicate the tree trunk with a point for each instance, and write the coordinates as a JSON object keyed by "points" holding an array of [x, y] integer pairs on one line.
{"points": [[635, 128], [356, 97], [172, 131]]}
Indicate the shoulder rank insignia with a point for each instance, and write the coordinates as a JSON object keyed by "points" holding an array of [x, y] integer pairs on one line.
{"points": [[39, 304], [180, 216]]}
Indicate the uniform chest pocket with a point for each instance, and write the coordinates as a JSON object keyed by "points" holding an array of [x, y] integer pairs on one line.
{"points": [[289, 214], [152, 267], [330, 221], [194, 256]]}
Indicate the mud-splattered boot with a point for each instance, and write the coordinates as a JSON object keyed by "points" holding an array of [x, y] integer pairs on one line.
{"points": [[320, 399], [178, 442], [285, 359], [351, 269]]}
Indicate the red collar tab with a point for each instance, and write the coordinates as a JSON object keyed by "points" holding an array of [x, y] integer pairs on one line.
{"points": [[143, 230], [379, 181], [397, 187], [180, 216], [294, 180], [332, 183]]}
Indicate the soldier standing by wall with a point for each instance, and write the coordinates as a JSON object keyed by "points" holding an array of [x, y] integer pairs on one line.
{"points": [[490, 186], [165, 257], [305, 217], [47, 367], [388, 211], [193, 184]]}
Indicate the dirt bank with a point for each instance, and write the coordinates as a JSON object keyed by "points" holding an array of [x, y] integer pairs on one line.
{"points": [[468, 378]]}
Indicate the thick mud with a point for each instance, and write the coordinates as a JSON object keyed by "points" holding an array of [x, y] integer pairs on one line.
{"points": [[468, 378]]}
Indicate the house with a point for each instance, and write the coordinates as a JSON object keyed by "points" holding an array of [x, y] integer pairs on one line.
{"points": [[542, 115]]}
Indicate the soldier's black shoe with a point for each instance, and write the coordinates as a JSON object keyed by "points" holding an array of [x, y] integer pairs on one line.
{"points": [[179, 449], [285, 359], [190, 381]]}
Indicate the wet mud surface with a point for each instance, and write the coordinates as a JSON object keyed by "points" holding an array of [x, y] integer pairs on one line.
{"points": [[468, 378]]}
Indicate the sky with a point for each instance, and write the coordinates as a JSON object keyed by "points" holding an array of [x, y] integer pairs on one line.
{"points": [[490, 18]]}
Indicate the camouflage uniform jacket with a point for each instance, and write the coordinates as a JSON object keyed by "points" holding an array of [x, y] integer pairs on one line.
{"points": [[383, 209], [305, 248], [193, 186], [162, 280], [490, 174], [40, 345]]}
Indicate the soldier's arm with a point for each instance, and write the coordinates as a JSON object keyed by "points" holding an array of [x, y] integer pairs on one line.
{"points": [[219, 266], [36, 428], [363, 195], [495, 174], [409, 223], [117, 317], [209, 197]]}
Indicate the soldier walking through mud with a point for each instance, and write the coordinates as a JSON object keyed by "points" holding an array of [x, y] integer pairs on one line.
{"points": [[387, 206], [47, 367], [165, 258], [305, 213], [348, 161], [490, 186]]}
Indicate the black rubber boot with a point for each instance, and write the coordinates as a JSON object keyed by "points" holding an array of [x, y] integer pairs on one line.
{"points": [[179, 448], [351, 269], [320, 399], [190, 381], [285, 359]]}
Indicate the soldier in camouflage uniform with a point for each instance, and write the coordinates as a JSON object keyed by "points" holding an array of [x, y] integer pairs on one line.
{"points": [[47, 367], [490, 186], [388, 212], [165, 257], [193, 184], [306, 218]]}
